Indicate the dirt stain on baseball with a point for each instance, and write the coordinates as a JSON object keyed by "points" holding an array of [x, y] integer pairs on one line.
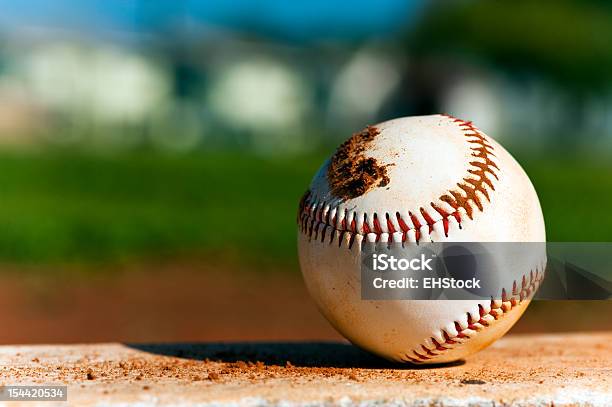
{"points": [[350, 173]]}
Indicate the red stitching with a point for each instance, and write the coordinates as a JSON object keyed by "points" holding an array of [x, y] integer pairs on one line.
{"points": [[498, 309], [463, 198]]}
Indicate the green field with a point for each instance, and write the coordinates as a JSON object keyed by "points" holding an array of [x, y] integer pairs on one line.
{"points": [[63, 207]]}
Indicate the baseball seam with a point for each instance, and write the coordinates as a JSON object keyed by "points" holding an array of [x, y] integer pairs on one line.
{"points": [[317, 217], [434, 347]]}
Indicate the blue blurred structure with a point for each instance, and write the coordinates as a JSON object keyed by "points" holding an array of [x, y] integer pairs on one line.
{"points": [[266, 74], [277, 77], [299, 20]]}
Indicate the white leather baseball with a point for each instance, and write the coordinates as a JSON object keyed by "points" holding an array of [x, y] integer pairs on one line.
{"points": [[439, 179]]}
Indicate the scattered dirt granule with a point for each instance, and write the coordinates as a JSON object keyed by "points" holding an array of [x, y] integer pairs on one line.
{"points": [[472, 381], [350, 173]]}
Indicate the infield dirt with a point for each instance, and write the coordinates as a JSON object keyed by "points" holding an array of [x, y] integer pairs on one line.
{"points": [[571, 369]]}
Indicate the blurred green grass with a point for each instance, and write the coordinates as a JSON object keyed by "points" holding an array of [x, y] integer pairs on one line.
{"points": [[71, 206], [575, 190]]}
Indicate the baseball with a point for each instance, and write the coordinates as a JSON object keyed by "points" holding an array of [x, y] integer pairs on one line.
{"points": [[417, 179]]}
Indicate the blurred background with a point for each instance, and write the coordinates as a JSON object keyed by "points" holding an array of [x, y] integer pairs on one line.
{"points": [[152, 154]]}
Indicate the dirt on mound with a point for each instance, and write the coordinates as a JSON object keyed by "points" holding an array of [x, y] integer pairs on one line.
{"points": [[566, 369]]}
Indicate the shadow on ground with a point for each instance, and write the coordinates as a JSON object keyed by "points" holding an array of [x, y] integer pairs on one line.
{"points": [[299, 354]]}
